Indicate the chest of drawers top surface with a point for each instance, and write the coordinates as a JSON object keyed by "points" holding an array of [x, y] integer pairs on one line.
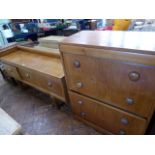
{"points": [[136, 42], [43, 62]]}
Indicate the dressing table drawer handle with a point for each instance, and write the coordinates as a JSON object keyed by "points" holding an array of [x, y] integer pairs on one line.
{"points": [[124, 121], [122, 132], [27, 75], [83, 114], [50, 83], [129, 101], [79, 85], [134, 76], [10, 70], [80, 102], [76, 63]]}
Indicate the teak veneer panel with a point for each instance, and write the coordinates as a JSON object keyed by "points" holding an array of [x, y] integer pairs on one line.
{"points": [[40, 80], [106, 116], [108, 81]]}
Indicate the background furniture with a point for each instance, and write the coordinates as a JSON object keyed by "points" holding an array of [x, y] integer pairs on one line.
{"points": [[8, 126], [110, 79], [49, 44], [51, 41]]}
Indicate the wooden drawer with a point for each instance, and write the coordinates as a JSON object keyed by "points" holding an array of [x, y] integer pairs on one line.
{"points": [[11, 71], [128, 86], [49, 84], [114, 120]]}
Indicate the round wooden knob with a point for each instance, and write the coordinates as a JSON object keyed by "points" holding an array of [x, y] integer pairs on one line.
{"points": [[76, 63], [80, 102], [134, 76], [122, 132], [50, 83], [27, 75], [83, 114], [129, 101], [124, 121], [79, 85], [10, 70]]}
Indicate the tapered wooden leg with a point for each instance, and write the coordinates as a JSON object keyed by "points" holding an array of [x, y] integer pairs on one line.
{"points": [[14, 82], [3, 75]]}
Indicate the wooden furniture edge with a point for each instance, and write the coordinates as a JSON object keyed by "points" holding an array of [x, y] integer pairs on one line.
{"points": [[65, 90], [65, 77], [7, 50], [140, 51], [145, 59], [39, 51]]}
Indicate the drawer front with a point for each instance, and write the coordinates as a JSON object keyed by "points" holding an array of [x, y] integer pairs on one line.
{"points": [[11, 71], [107, 117], [124, 85], [48, 83]]}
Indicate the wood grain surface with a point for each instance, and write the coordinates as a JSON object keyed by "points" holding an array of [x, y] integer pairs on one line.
{"points": [[139, 42]]}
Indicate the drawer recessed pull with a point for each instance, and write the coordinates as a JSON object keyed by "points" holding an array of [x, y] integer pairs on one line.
{"points": [[50, 83], [76, 63], [124, 121], [27, 75], [122, 132], [79, 85], [83, 114], [129, 101], [80, 102], [134, 76]]}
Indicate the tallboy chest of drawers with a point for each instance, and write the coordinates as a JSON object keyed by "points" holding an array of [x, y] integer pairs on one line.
{"points": [[111, 79]]}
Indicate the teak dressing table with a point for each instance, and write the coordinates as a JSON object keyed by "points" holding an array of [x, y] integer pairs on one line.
{"points": [[40, 69]]}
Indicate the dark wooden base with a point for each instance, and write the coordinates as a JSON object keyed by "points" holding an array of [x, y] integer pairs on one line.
{"points": [[58, 103]]}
